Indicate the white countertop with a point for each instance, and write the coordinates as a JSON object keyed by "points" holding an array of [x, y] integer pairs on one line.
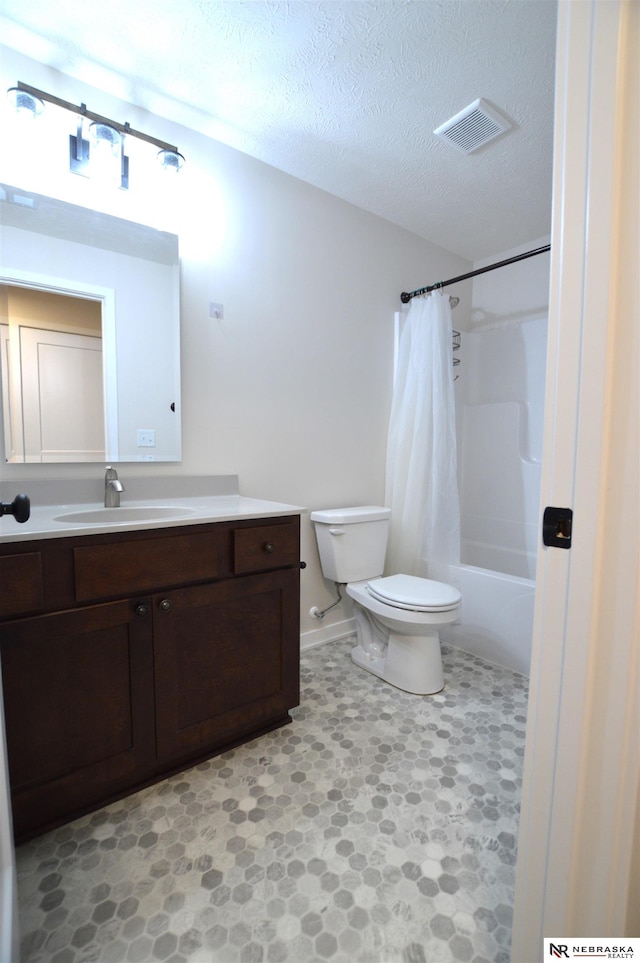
{"points": [[46, 522]]}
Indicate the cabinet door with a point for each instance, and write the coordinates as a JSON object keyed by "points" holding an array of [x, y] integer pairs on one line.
{"points": [[78, 697], [226, 659]]}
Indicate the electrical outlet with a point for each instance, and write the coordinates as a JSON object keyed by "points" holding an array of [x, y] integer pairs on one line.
{"points": [[146, 438], [216, 310]]}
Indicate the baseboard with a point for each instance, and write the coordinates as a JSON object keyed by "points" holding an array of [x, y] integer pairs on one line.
{"points": [[327, 633]]}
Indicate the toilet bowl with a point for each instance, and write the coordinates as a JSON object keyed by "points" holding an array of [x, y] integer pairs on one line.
{"points": [[397, 621], [397, 617]]}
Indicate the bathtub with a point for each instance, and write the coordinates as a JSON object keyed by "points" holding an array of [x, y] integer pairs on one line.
{"points": [[496, 622]]}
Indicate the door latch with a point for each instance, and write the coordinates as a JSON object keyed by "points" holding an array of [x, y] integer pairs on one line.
{"points": [[556, 527]]}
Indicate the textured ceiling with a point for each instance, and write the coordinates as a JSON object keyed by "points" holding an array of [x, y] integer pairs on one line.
{"points": [[343, 95]]}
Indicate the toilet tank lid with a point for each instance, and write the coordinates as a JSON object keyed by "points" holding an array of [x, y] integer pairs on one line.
{"points": [[347, 516]]}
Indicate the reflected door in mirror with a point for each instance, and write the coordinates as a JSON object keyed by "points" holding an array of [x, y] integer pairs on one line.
{"points": [[52, 374]]}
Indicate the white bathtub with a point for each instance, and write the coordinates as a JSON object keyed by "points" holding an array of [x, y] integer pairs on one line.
{"points": [[497, 617]]}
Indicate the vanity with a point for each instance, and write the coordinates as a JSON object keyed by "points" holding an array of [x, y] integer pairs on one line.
{"points": [[135, 645], [135, 639]]}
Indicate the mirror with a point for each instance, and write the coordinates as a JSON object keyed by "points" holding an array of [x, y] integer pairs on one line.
{"points": [[89, 317]]}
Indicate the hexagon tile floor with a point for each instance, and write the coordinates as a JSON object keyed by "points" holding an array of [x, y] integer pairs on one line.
{"points": [[379, 827]]}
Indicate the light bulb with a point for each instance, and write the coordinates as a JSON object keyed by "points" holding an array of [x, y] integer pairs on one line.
{"points": [[170, 160], [27, 105]]}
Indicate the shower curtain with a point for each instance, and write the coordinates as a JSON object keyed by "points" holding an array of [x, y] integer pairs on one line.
{"points": [[421, 476]]}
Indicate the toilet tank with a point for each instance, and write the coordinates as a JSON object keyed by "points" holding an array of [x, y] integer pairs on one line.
{"points": [[352, 542]]}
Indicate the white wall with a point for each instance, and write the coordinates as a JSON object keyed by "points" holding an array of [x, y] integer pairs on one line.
{"points": [[291, 390]]}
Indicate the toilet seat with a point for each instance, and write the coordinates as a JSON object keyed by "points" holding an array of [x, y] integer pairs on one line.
{"points": [[414, 594]]}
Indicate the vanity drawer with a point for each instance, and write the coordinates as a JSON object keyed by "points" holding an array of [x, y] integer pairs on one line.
{"points": [[21, 581], [130, 567], [264, 547]]}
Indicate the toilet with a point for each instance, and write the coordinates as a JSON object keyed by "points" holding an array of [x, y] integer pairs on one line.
{"points": [[397, 616]]}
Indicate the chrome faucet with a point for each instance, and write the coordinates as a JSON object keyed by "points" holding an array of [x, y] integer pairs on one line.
{"points": [[112, 488]]}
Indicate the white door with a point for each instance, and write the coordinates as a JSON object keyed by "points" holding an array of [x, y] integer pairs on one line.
{"points": [[579, 835], [62, 398], [12, 425]]}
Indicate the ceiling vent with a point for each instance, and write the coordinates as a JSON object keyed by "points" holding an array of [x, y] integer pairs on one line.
{"points": [[474, 126]]}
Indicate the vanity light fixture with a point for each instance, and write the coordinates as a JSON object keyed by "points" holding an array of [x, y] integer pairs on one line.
{"points": [[171, 160], [101, 151], [101, 155], [25, 103]]}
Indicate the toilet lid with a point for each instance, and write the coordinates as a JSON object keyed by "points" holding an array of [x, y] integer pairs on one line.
{"points": [[416, 594]]}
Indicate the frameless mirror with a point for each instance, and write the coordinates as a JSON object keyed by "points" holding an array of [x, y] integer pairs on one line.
{"points": [[89, 318]]}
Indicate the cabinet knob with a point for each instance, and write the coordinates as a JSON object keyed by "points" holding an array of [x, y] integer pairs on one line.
{"points": [[166, 605], [269, 548], [142, 611]]}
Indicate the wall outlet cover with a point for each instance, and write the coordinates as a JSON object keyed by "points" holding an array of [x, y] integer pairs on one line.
{"points": [[146, 438]]}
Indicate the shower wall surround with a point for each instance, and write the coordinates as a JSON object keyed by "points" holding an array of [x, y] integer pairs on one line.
{"points": [[500, 445], [500, 411], [500, 415]]}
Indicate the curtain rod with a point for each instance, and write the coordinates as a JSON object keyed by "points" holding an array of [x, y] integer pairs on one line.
{"points": [[406, 297]]}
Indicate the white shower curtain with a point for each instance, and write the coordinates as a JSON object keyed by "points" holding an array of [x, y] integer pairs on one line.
{"points": [[421, 478]]}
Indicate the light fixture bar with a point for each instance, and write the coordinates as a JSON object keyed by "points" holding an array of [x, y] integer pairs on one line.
{"points": [[98, 118]]}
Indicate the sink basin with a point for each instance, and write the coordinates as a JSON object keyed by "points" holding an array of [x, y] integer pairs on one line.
{"points": [[110, 516]]}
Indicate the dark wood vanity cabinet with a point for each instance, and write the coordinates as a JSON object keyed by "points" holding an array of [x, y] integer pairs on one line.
{"points": [[132, 656], [79, 710], [208, 695]]}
